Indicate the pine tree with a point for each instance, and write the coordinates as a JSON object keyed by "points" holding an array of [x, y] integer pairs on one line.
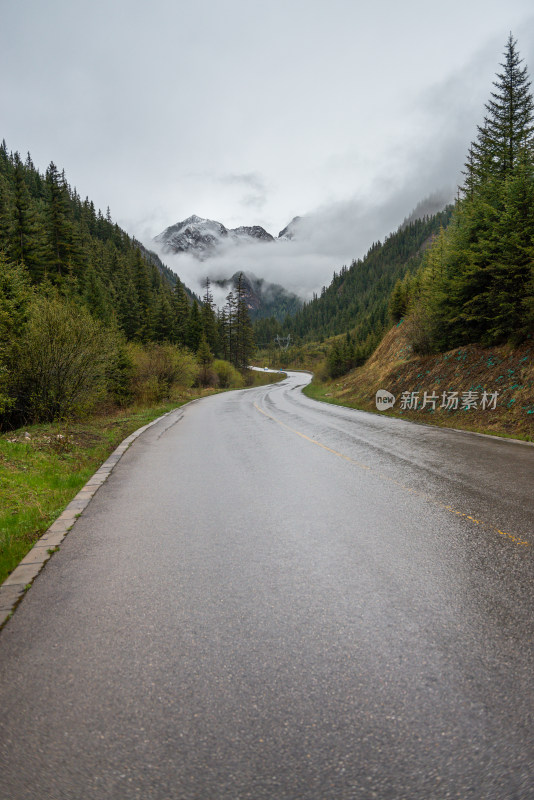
{"points": [[474, 289], [181, 313], [60, 227], [128, 310], [222, 326], [6, 214], [514, 245], [27, 238], [397, 302], [244, 334], [204, 354], [194, 328], [4, 158], [142, 285], [229, 320], [508, 125], [209, 319], [164, 329], [95, 295]]}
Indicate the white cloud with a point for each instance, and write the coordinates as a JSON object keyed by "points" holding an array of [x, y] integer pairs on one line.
{"points": [[253, 113]]}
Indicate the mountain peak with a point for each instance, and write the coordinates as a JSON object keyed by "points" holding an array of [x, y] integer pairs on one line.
{"points": [[289, 231], [195, 235], [203, 237]]}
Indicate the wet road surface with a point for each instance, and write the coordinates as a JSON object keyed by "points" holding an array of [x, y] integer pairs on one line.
{"points": [[275, 598]]}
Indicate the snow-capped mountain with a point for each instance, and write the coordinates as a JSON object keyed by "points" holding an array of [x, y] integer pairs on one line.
{"points": [[204, 237], [193, 235], [290, 231], [252, 232]]}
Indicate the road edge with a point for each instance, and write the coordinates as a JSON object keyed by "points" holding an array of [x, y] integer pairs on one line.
{"points": [[15, 586], [377, 413]]}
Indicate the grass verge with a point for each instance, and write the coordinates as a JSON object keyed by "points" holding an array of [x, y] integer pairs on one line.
{"points": [[43, 467], [322, 392]]}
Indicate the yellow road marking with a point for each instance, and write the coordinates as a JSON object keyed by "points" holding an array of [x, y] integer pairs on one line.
{"points": [[383, 477]]}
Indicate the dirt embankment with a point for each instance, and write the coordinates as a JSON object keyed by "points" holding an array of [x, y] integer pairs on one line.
{"points": [[474, 388]]}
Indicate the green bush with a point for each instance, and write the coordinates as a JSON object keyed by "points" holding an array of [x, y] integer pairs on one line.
{"points": [[15, 298], [229, 377], [158, 369], [207, 376], [119, 376], [61, 360]]}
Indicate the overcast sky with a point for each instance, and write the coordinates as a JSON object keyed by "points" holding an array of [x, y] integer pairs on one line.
{"points": [[251, 113]]}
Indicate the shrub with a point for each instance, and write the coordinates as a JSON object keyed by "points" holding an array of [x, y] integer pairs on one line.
{"points": [[15, 298], [228, 375], [158, 368], [420, 328], [207, 377], [62, 358]]}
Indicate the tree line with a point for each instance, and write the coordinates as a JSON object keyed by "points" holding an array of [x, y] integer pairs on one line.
{"points": [[476, 283], [355, 307], [356, 301], [62, 259]]}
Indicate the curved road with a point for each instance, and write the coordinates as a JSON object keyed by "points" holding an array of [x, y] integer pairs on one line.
{"points": [[275, 598]]}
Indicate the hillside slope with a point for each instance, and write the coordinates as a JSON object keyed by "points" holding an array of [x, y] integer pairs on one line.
{"points": [[507, 371], [63, 240], [357, 298]]}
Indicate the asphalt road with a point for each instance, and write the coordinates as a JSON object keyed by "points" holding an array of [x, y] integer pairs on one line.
{"points": [[274, 598]]}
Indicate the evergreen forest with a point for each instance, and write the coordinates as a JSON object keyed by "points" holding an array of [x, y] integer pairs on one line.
{"points": [[84, 306], [476, 282]]}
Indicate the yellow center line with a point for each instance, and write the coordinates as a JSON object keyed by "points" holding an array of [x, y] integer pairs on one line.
{"points": [[383, 477]]}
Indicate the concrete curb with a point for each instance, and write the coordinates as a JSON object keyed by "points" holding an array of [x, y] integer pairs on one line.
{"points": [[12, 590]]}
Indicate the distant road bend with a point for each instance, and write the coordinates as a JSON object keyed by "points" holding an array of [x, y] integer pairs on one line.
{"points": [[275, 599]]}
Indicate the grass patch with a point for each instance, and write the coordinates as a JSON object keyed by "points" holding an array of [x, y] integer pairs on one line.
{"points": [[323, 392], [255, 378]]}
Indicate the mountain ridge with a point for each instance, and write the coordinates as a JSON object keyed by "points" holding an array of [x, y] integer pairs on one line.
{"points": [[202, 237]]}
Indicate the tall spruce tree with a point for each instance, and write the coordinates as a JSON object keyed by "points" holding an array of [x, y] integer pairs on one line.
{"points": [[209, 318], [475, 281], [59, 220], [222, 324], [508, 124], [244, 334], [26, 236], [229, 322], [181, 313], [194, 328]]}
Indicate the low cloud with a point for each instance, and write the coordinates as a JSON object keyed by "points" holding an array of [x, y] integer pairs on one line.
{"points": [[255, 196], [423, 164], [325, 240], [251, 179], [253, 201]]}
